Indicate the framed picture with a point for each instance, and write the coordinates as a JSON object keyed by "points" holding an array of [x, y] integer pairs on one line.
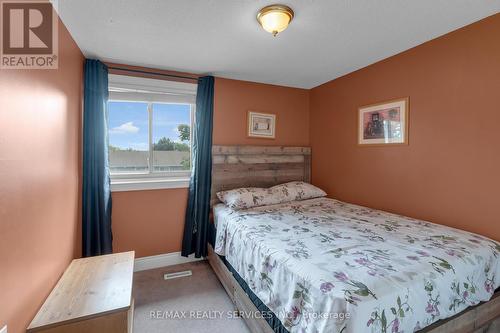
{"points": [[261, 125], [384, 123]]}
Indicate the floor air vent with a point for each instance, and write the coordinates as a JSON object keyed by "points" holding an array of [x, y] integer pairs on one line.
{"points": [[176, 275]]}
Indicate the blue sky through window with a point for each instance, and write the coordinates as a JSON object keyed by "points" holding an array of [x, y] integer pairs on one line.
{"points": [[166, 118], [128, 123]]}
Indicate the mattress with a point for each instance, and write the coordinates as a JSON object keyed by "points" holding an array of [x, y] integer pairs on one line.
{"points": [[323, 265]]}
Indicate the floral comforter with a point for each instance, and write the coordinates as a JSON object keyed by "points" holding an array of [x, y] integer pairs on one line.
{"points": [[323, 265]]}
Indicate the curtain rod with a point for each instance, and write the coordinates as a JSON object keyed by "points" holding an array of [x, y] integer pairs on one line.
{"points": [[152, 73]]}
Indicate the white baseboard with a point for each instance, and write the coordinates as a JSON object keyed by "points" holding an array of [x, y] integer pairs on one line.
{"points": [[162, 260]]}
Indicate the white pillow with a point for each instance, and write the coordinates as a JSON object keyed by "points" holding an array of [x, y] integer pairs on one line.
{"points": [[248, 197], [296, 191]]}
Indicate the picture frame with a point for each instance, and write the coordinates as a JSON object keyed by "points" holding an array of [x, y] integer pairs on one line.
{"points": [[384, 123], [261, 125]]}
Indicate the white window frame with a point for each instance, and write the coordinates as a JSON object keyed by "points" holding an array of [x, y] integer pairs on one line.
{"points": [[150, 91]]}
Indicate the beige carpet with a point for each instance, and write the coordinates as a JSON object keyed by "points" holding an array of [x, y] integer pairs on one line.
{"points": [[197, 303]]}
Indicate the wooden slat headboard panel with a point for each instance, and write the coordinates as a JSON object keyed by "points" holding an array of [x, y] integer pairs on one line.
{"points": [[258, 166]]}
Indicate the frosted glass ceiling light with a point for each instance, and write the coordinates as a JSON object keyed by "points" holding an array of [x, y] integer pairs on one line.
{"points": [[275, 18]]}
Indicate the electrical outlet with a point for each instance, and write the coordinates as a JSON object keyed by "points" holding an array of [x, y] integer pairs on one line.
{"points": [[4, 329]]}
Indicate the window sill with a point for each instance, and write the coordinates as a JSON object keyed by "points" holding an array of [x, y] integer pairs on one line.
{"points": [[123, 185]]}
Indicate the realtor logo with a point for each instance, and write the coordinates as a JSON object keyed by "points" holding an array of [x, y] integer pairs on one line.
{"points": [[29, 35]]}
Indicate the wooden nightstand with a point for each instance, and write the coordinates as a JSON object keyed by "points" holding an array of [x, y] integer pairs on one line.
{"points": [[94, 295]]}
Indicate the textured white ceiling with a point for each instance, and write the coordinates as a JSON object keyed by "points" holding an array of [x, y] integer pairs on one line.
{"points": [[327, 39]]}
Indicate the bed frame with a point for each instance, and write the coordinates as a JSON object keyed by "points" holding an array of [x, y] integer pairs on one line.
{"points": [[258, 166], [264, 166]]}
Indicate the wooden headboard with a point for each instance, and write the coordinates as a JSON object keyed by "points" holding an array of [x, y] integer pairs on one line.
{"points": [[258, 166]]}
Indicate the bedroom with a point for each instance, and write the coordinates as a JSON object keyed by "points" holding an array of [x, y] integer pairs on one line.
{"points": [[392, 106]]}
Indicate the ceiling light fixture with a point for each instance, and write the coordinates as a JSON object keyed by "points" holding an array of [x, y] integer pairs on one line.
{"points": [[275, 18]]}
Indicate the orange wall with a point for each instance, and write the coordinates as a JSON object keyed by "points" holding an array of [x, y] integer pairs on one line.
{"points": [[152, 222], [234, 98], [40, 121], [449, 173], [148, 222]]}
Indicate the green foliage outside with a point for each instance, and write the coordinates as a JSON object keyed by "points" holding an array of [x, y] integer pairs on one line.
{"points": [[184, 132], [165, 144]]}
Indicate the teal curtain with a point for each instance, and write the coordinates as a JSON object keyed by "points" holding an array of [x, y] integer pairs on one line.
{"points": [[96, 197], [198, 209]]}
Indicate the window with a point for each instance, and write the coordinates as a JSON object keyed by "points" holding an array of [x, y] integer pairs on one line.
{"points": [[149, 124]]}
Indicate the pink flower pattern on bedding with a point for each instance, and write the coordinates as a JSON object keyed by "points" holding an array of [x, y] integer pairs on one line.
{"points": [[322, 265]]}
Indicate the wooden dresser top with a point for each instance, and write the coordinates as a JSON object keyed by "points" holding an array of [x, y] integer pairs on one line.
{"points": [[90, 287]]}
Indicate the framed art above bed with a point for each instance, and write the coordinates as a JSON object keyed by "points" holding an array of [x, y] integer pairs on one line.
{"points": [[384, 123], [261, 125]]}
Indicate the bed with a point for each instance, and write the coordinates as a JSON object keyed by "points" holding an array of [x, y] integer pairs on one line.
{"points": [[322, 265]]}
